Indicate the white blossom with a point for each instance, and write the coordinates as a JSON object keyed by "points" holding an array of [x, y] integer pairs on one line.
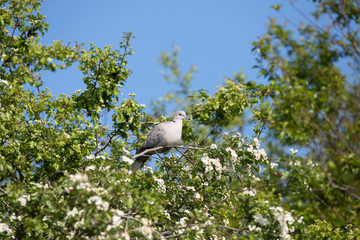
{"points": [[187, 212], [276, 209], [256, 143], [127, 160], [254, 228], [209, 164], [213, 146], [198, 196], [78, 177], [161, 184], [217, 164], [261, 220], [249, 170], [273, 165], [14, 217], [69, 189], [284, 218], [79, 223], [126, 151], [88, 168], [182, 222], [167, 215], [116, 220], [102, 205], [256, 178], [23, 200], [296, 163], [5, 228], [215, 237], [126, 180], [67, 136], [146, 231], [71, 235], [102, 157], [72, 213], [125, 236], [90, 157], [4, 82], [250, 192], [258, 153], [293, 151], [310, 163], [208, 223], [186, 168], [234, 155]]}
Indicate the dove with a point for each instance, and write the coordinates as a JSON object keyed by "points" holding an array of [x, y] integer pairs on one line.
{"points": [[165, 134]]}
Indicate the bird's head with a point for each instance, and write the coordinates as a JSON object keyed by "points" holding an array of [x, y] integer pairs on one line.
{"points": [[179, 115]]}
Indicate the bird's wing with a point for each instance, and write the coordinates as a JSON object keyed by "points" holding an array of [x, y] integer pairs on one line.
{"points": [[155, 138]]}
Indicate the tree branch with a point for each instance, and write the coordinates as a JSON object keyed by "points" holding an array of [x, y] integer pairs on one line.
{"points": [[161, 148]]}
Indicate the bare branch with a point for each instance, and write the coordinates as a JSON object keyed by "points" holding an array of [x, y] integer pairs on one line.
{"points": [[162, 148]]}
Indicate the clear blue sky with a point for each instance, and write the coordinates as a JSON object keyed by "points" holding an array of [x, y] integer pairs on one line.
{"points": [[214, 35]]}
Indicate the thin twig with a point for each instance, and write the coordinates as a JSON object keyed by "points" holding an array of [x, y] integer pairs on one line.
{"points": [[267, 116], [161, 148]]}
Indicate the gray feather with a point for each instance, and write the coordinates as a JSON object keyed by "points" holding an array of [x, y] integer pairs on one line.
{"points": [[166, 134]]}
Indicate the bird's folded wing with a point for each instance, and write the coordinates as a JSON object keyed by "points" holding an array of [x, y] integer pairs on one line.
{"points": [[155, 138]]}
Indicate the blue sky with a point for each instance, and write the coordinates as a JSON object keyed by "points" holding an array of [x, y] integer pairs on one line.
{"points": [[214, 35]]}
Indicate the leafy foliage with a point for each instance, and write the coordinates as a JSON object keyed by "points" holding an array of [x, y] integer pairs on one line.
{"points": [[316, 104], [66, 176]]}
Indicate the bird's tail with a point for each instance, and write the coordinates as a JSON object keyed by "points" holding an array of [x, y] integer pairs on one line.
{"points": [[138, 163]]}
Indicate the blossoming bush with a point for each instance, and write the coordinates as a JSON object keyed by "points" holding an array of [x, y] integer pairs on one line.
{"points": [[64, 175], [207, 193]]}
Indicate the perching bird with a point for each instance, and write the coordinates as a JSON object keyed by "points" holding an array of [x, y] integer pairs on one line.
{"points": [[165, 134]]}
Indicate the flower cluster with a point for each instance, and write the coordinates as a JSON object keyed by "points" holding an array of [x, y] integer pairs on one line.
{"points": [[192, 189], [82, 181], [250, 192], [258, 152], [261, 220], [213, 146], [99, 203], [161, 184], [92, 157], [23, 200], [116, 219], [284, 219], [127, 160], [146, 230], [293, 151], [78, 177], [234, 155], [211, 163], [73, 213], [4, 82], [4, 228]]}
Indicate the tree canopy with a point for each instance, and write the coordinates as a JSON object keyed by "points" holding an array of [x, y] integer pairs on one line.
{"points": [[65, 175]]}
